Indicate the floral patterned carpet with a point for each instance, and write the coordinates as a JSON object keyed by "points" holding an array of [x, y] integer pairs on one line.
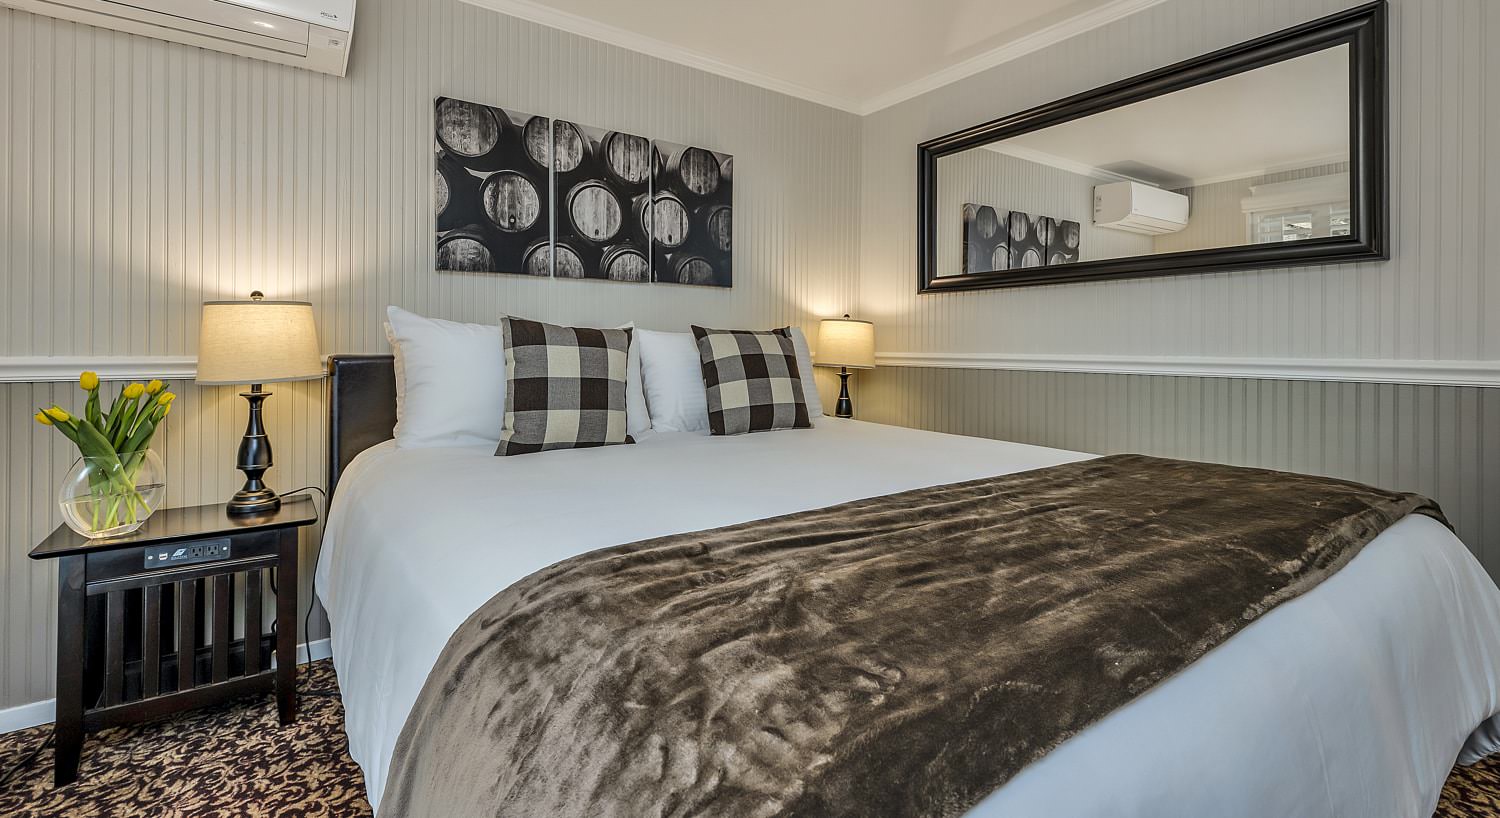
{"points": [[237, 760]]}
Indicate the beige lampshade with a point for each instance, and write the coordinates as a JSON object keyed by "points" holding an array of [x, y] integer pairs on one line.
{"points": [[258, 342], [846, 342]]}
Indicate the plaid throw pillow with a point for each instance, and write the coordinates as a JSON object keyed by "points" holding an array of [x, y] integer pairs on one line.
{"points": [[752, 381], [565, 387]]}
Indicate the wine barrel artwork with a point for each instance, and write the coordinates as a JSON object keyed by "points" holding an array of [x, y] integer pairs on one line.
{"points": [[623, 263], [566, 263], [464, 251], [692, 218], [600, 178], [996, 240], [1064, 245], [491, 189], [525, 194], [669, 221], [1028, 240], [511, 201], [719, 221], [986, 243]]}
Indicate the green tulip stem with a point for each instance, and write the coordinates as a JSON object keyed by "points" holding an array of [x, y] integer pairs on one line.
{"points": [[114, 447]]}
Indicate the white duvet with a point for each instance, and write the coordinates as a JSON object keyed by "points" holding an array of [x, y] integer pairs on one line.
{"points": [[1354, 700]]}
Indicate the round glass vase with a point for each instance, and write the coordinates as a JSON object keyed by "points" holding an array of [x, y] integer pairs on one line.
{"points": [[112, 496]]}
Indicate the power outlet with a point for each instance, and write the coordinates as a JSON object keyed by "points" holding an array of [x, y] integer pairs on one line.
{"points": [[205, 551]]}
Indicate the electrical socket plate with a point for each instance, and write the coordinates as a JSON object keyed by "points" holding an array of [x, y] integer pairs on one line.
{"points": [[188, 553]]}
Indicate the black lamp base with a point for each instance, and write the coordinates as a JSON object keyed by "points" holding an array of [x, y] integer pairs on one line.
{"points": [[845, 407], [246, 501], [254, 459]]}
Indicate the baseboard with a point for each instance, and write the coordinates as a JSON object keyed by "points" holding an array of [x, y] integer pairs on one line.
{"points": [[23, 716], [27, 715]]}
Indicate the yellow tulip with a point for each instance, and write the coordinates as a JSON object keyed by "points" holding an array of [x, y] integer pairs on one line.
{"points": [[166, 409], [88, 381], [41, 417], [56, 413], [166, 398], [153, 387], [133, 391]]}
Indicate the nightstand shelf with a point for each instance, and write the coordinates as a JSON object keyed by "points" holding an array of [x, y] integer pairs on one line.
{"points": [[187, 581]]}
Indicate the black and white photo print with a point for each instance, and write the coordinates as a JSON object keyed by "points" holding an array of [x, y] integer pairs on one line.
{"points": [[491, 195], [1028, 239], [1063, 242], [692, 216], [603, 185], [986, 240]]}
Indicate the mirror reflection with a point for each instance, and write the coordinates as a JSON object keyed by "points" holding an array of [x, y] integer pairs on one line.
{"points": [[1255, 158]]}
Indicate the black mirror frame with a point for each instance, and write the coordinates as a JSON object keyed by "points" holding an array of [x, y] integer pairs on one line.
{"points": [[1362, 28]]}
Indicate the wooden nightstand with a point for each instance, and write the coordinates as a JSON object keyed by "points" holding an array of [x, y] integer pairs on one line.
{"points": [[129, 608]]}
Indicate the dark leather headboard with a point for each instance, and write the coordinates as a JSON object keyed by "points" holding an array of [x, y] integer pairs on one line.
{"points": [[361, 408]]}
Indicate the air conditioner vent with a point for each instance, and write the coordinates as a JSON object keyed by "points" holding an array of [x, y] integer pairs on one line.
{"points": [[311, 34], [1138, 208]]}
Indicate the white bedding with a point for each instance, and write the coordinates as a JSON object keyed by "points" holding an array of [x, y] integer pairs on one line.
{"points": [[1353, 700]]}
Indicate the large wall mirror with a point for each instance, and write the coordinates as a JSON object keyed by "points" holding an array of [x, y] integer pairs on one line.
{"points": [[1269, 153]]}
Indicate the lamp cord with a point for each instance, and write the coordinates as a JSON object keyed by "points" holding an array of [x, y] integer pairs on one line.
{"points": [[26, 762]]}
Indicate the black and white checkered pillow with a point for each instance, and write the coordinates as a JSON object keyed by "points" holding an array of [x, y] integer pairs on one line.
{"points": [[751, 380], [565, 389]]}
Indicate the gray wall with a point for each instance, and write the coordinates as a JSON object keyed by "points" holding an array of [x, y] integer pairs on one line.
{"points": [[139, 178]]}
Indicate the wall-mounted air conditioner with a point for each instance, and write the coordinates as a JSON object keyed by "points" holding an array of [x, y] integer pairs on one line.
{"points": [[1138, 208], [311, 34]]}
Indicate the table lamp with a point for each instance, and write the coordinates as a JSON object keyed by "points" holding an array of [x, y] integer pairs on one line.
{"points": [[257, 342], [846, 343]]}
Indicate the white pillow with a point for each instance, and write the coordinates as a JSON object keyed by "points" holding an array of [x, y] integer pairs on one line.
{"points": [[450, 381], [673, 379], [637, 416], [805, 369], [390, 338], [672, 373], [458, 405]]}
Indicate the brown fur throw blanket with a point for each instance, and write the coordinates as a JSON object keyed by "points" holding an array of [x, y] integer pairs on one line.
{"points": [[901, 655]]}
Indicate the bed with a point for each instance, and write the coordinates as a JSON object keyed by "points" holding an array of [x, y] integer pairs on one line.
{"points": [[1355, 699]]}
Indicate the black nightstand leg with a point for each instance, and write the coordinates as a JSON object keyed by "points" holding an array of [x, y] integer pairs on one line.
{"points": [[286, 628], [72, 604]]}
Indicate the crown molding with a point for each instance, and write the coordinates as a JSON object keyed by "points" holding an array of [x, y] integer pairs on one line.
{"points": [[1357, 370], [1011, 149], [1235, 176], [652, 47], [53, 369], [1015, 49]]}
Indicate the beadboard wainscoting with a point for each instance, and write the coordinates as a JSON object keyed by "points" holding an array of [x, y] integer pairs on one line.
{"points": [[1441, 441], [139, 178]]}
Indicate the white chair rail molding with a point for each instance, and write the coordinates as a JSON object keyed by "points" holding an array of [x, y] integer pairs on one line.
{"points": [[1356, 370]]}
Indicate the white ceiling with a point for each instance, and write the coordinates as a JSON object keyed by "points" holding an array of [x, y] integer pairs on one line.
{"points": [[857, 55], [1287, 115]]}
